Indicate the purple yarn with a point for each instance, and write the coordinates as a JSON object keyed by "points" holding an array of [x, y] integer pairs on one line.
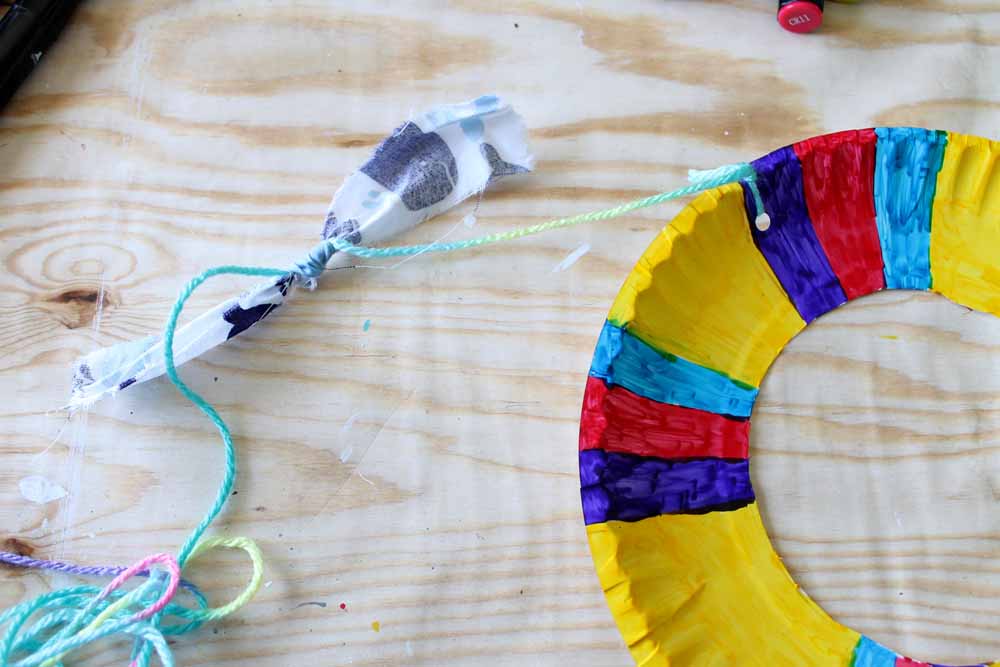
{"points": [[18, 560], [56, 566]]}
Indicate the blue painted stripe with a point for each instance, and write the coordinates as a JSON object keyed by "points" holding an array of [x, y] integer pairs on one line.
{"points": [[622, 359], [907, 161], [869, 653]]}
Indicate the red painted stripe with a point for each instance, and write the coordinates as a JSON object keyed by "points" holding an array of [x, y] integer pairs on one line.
{"points": [[910, 662], [838, 172], [616, 420]]}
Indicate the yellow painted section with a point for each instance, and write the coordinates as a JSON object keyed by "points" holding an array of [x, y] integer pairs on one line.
{"points": [[965, 224], [709, 591], [703, 292]]}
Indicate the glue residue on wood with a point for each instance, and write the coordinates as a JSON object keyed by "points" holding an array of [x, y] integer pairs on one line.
{"points": [[40, 490], [572, 258]]}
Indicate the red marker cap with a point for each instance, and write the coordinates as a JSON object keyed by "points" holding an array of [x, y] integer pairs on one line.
{"points": [[800, 15]]}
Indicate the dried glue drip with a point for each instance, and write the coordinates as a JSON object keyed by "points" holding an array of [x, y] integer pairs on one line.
{"points": [[763, 222]]}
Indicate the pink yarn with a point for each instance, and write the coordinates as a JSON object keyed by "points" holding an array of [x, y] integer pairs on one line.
{"points": [[169, 562]]}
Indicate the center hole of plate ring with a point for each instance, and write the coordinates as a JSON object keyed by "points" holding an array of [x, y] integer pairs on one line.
{"points": [[875, 455]]}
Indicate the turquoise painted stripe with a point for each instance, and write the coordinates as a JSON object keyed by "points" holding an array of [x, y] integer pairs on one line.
{"points": [[624, 360], [907, 161], [871, 654]]}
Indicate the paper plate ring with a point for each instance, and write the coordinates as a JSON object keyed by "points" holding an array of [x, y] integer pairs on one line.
{"points": [[677, 539]]}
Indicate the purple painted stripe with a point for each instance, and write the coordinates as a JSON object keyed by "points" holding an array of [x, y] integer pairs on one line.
{"points": [[626, 487], [790, 244]]}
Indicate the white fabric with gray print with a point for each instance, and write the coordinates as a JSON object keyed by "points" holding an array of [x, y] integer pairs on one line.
{"points": [[425, 167]]}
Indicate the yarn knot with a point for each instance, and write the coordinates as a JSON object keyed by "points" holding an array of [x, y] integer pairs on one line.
{"points": [[308, 271]]}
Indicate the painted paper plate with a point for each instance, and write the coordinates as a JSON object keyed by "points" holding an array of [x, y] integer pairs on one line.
{"points": [[677, 539]]}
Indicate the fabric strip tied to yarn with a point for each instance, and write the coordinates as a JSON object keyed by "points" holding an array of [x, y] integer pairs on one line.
{"points": [[425, 167], [428, 165], [699, 181]]}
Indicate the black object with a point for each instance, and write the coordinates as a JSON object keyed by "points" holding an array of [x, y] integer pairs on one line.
{"points": [[27, 30], [782, 3]]}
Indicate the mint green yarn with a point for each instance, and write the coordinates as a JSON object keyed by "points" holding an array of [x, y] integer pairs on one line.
{"points": [[196, 617], [64, 607], [700, 181], [145, 648], [168, 353]]}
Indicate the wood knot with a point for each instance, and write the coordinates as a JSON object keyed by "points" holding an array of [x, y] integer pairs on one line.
{"points": [[18, 546], [77, 307]]}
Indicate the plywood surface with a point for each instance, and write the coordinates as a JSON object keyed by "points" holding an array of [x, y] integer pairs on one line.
{"points": [[423, 471]]}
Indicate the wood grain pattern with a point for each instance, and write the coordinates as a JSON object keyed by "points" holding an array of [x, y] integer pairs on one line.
{"points": [[163, 137]]}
